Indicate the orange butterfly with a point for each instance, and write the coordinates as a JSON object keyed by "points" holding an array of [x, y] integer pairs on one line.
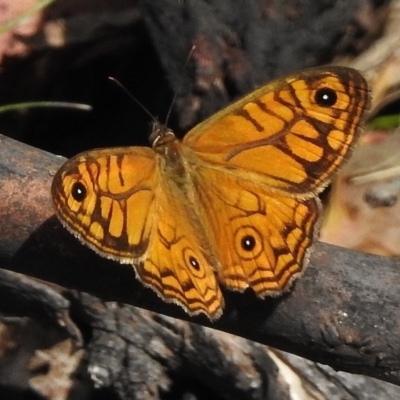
{"points": [[235, 203]]}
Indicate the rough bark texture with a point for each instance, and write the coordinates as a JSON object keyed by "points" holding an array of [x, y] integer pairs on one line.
{"points": [[75, 346], [343, 312]]}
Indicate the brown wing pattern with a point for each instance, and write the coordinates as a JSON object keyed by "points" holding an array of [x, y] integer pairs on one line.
{"points": [[179, 264], [262, 239], [104, 198], [291, 134]]}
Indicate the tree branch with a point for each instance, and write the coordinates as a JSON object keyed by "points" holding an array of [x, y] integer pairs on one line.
{"points": [[343, 312]]}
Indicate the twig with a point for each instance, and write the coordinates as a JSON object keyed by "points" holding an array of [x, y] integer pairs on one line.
{"points": [[344, 311]]}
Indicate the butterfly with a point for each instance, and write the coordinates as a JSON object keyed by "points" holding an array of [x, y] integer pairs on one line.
{"points": [[234, 204]]}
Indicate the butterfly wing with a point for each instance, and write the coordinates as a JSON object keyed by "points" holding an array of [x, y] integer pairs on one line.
{"points": [[115, 201], [104, 198], [179, 264], [291, 134]]}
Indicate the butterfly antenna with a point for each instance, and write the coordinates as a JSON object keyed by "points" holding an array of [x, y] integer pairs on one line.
{"points": [[175, 94], [132, 97], [170, 109]]}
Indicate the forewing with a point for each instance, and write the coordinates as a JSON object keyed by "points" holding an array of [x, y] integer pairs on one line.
{"points": [[291, 134], [104, 197]]}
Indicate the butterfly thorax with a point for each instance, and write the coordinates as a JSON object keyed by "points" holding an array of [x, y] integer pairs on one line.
{"points": [[170, 151]]}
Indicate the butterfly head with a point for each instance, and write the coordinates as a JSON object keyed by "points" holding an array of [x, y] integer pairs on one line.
{"points": [[161, 135]]}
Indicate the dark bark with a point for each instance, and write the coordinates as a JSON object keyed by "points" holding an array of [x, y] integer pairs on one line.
{"points": [[240, 45], [343, 312], [79, 347]]}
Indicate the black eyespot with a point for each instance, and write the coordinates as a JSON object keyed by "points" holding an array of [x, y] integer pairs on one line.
{"points": [[248, 243], [325, 97], [194, 263], [79, 191]]}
